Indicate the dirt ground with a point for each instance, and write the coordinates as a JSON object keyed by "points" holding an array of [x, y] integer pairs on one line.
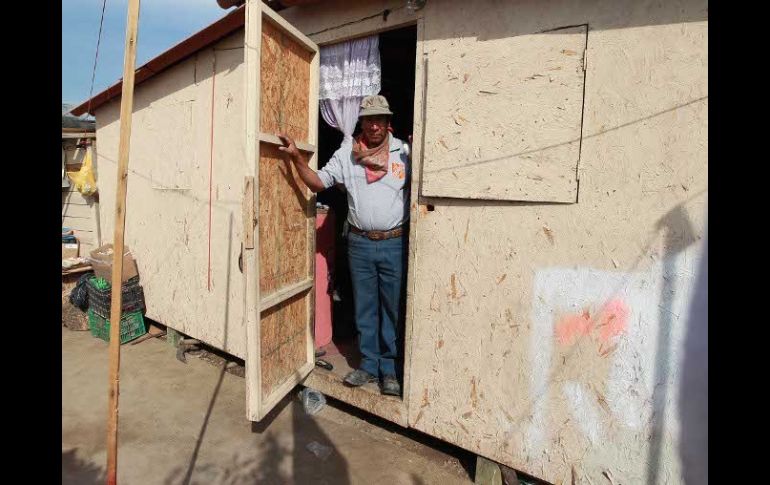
{"points": [[185, 424]]}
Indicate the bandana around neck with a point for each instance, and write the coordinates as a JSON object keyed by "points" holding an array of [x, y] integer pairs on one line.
{"points": [[374, 160]]}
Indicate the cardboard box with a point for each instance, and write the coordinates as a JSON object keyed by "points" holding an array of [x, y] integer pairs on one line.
{"points": [[101, 262], [70, 250]]}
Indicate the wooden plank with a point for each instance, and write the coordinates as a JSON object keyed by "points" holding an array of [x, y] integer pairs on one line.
{"points": [[387, 407], [415, 161], [533, 87], [289, 29], [80, 225], [280, 392], [77, 211], [97, 224], [315, 74], [82, 234], [79, 269], [315, 77], [72, 196], [126, 110], [274, 140], [252, 56], [284, 294], [249, 218], [76, 135]]}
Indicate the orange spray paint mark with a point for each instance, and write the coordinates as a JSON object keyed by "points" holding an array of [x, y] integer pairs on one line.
{"points": [[572, 327], [612, 320]]}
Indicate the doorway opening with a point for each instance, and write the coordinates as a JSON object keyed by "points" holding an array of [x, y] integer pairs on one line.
{"points": [[397, 61]]}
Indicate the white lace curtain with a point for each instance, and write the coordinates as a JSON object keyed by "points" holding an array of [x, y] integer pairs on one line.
{"points": [[349, 71]]}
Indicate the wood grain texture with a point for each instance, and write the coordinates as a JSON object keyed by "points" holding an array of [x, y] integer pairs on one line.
{"points": [[285, 78], [251, 297], [283, 215], [513, 130], [283, 339], [124, 145], [280, 75]]}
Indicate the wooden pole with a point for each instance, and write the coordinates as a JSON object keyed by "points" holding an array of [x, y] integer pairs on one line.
{"points": [[126, 110]]}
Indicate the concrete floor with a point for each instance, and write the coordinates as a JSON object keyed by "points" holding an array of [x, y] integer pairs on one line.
{"points": [[185, 424]]}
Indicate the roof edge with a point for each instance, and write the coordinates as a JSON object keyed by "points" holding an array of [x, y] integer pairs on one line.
{"points": [[203, 38]]}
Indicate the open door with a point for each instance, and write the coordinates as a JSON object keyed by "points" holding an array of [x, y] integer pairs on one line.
{"points": [[279, 211]]}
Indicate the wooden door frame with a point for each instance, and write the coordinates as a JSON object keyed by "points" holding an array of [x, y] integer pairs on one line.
{"points": [[257, 405]]}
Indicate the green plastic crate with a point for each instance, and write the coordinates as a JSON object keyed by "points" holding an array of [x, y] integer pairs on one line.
{"points": [[131, 326]]}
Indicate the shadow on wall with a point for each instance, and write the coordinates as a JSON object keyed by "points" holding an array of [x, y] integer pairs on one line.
{"points": [[79, 472], [679, 233], [578, 365], [693, 397]]}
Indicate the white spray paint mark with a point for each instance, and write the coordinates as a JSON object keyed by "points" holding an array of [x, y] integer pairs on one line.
{"points": [[541, 347], [630, 382], [584, 410]]}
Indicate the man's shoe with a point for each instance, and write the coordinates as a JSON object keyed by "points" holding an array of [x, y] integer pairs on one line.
{"points": [[390, 386], [359, 378]]}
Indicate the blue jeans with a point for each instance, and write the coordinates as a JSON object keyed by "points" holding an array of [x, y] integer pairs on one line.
{"points": [[376, 271]]}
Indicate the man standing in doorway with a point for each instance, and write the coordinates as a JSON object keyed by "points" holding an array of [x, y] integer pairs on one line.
{"points": [[374, 170]]}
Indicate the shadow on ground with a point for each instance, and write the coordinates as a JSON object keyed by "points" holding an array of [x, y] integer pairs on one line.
{"points": [[79, 472]]}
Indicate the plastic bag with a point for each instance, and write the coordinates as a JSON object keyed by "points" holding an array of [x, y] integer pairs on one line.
{"points": [[84, 179], [79, 294], [313, 401], [319, 450]]}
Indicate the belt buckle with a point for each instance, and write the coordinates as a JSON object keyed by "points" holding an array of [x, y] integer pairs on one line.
{"points": [[376, 235]]}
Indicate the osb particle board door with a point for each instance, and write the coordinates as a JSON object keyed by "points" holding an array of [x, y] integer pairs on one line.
{"points": [[513, 128], [282, 98]]}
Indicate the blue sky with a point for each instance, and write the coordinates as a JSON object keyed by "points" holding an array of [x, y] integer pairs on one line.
{"points": [[162, 24]]}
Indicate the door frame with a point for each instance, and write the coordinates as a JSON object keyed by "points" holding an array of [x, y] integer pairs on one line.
{"points": [[257, 405], [388, 408]]}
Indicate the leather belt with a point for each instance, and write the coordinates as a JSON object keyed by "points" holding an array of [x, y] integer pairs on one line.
{"points": [[378, 235]]}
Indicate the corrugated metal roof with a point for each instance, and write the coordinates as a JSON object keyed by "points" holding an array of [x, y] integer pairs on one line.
{"points": [[68, 120]]}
